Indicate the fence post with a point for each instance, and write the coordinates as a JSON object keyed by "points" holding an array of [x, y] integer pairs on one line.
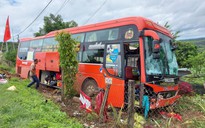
{"points": [[141, 94], [102, 108], [131, 100]]}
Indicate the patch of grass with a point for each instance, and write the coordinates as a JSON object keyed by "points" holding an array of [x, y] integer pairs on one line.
{"points": [[194, 80], [190, 103], [191, 108], [92, 116], [25, 107], [4, 67]]}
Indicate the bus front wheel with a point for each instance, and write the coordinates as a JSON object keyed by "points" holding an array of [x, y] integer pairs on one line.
{"points": [[89, 87]]}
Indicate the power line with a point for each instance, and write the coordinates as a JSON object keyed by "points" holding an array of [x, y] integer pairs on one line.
{"points": [[62, 6], [35, 18], [96, 11]]}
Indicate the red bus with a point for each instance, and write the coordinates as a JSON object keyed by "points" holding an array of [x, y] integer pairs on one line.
{"points": [[113, 51]]}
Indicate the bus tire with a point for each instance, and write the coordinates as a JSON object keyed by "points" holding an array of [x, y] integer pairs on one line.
{"points": [[89, 87]]}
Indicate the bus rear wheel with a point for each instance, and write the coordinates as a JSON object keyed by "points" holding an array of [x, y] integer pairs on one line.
{"points": [[89, 87]]}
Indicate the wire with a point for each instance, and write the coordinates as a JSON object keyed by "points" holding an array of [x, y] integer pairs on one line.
{"points": [[35, 18], [62, 6], [96, 11]]}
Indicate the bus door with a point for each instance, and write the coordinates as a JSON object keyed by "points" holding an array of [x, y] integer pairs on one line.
{"points": [[113, 66], [132, 66]]}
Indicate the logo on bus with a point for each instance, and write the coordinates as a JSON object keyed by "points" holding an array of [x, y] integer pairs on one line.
{"points": [[129, 34]]}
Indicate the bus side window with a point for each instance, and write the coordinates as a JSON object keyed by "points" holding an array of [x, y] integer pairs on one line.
{"points": [[93, 56]]}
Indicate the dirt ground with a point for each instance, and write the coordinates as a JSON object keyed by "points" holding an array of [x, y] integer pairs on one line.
{"points": [[72, 108]]}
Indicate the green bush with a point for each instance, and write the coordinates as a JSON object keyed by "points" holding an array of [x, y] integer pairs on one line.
{"points": [[184, 51], [10, 57], [68, 62], [197, 62]]}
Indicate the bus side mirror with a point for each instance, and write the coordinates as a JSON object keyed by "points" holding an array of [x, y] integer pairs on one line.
{"points": [[174, 47], [156, 46]]}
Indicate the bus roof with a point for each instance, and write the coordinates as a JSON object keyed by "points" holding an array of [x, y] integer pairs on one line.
{"points": [[25, 39], [34, 38], [142, 23]]}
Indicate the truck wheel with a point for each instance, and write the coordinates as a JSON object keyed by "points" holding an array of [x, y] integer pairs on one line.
{"points": [[89, 87]]}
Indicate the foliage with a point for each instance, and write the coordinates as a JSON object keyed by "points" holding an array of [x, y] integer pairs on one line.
{"points": [[199, 42], [10, 57], [68, 61], [91, 116], [139, 121], [11, 46], [117, 117], [192, 105], [183, 52], [185, 88], [52, 23], [192, 110], [26, 108], [198, 63]]}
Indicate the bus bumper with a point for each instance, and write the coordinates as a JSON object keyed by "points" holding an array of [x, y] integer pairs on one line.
{"points": [[164, 102]]}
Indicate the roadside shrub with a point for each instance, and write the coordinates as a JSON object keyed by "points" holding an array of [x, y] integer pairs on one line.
{"points": [[185, 88], [10, 57], [68, 62]]}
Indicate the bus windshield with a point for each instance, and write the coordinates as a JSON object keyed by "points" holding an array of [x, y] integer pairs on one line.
{"points": [[166, 64]]}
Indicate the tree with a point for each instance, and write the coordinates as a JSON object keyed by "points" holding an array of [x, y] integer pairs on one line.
{"points": [[197, 62], [68, 48], [52, 23], [184, 51]]}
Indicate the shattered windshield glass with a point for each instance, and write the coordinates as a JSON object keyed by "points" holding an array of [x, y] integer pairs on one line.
{"points": [[166, 64]]}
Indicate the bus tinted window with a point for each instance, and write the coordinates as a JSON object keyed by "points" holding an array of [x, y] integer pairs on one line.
{"points": [[102, 35], [93, 52], [50, 44], [93, 56], [24, 46], [78, 37], [23, 49], [36, 45]]}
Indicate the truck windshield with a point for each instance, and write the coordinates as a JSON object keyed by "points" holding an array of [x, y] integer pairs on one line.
{"points": [[166, 64]]}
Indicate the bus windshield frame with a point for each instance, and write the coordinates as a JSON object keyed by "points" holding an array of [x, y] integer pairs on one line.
{"points": [[166, 65]]}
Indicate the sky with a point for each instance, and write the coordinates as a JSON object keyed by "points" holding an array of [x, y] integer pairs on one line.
{"points": [[186, 16]]}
